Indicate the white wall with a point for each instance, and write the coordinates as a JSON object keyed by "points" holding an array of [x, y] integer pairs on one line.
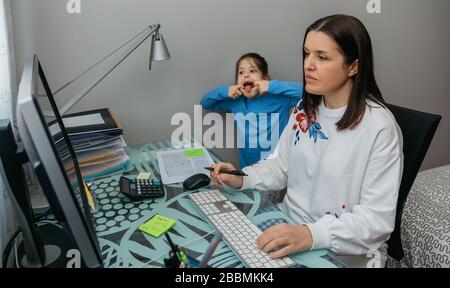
{"points": [[205, 37], [7, 88]]}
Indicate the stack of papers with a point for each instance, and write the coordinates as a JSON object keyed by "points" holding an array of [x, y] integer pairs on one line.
{"points": [[97, 140]]}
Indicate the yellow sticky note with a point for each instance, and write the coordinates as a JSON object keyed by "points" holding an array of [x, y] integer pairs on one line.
{"points": [[144, 175], [199, 152], [157, 225]]}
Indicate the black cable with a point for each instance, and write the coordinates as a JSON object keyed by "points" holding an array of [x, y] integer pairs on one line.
{"points": [[10, 243], [8, 248]]}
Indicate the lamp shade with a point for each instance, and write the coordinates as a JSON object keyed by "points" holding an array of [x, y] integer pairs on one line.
{"points": [[158, 50]]}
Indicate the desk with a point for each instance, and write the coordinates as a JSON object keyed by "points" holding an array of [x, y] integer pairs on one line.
{"points": [[123, 245]]}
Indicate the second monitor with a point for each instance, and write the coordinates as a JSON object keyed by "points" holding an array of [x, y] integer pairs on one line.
{"points": [[56, 167]]}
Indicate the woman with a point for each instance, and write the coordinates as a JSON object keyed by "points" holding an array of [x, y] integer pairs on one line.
{"points": [[340, 156]]}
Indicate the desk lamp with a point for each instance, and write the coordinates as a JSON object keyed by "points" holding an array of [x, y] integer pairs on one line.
{"points": [[158, 52]]}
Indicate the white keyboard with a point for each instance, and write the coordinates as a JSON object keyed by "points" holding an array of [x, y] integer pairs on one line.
{"points": [[238, 231]]}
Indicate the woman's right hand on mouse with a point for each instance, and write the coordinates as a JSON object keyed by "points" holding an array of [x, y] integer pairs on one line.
{"points": [[230, 180]]}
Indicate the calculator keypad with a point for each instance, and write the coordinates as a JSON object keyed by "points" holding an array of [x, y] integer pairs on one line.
{"points": [[150, 188], [140, 189]]}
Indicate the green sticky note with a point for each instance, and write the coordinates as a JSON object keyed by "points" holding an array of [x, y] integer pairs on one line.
{"points": [[194, 153], [157, 225]]}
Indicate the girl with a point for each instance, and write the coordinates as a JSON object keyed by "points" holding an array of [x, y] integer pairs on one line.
{"points": [[254, 93], [341, 158]]}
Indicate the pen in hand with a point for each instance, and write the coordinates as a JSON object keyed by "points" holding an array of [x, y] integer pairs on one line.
{"points": [[233, 172]]}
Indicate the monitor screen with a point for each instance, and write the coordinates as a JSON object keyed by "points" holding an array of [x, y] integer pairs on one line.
{"points": [[51, 153], [63, 145]]}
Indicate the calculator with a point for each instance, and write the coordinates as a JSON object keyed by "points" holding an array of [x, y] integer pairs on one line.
{"points": [[140, 189]]}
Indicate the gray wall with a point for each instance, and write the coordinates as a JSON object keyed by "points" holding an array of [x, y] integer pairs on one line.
{"points": [[410, 37]]}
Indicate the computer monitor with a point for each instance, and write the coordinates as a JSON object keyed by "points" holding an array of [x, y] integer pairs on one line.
{"points": [[56, 166]]}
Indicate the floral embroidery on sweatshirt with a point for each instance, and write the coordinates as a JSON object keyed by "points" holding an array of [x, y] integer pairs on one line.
{"points": [[343, 210], [302, 124]]}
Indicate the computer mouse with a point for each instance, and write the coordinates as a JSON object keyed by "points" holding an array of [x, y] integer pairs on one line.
{"points": [[196, 181]]}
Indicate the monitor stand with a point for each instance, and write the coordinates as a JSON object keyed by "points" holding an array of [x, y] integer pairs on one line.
{"points": [[59, 251], [39, 202]]}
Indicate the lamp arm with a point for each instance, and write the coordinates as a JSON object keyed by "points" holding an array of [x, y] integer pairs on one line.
{"points": [[100, 61], [153, 28]]}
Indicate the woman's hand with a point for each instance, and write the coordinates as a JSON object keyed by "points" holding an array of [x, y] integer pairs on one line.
{"points": [[262, 86], [235, 91], [233, 181], [287, 238]]}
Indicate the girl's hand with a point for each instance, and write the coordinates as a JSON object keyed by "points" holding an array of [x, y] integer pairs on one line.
{"points": [[235, 91], [233, 181], [286, 239], [262, 86]]}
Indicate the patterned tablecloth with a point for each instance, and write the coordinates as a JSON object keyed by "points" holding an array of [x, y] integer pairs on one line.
{"points": [[425, 227], [123, 245]]}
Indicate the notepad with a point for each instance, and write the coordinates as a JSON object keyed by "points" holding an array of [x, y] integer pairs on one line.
{"points": [[177, 165], [157, 225]]}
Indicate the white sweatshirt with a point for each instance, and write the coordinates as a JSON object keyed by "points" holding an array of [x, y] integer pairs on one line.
{"points": [[342, 184]]}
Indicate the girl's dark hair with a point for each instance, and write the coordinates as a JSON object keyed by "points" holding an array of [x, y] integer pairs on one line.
{"points": [[259, 61], [354, 44]]}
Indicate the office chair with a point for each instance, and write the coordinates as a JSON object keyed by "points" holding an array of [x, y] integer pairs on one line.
{"points": [[418, 129]]}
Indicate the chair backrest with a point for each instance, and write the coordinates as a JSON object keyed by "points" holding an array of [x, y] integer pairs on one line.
{"points": [[418, 129]]}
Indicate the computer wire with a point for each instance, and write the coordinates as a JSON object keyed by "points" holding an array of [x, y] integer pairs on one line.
{"points": [[9, 247], [55, 223], [181, 246], [12, 243], [210, 250]]}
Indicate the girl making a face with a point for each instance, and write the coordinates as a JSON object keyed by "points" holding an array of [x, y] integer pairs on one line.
{"points": [[254, 93]]}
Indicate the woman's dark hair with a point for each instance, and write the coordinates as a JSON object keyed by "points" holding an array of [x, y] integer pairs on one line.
{"points": [[354, 43], [259, 61]]}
